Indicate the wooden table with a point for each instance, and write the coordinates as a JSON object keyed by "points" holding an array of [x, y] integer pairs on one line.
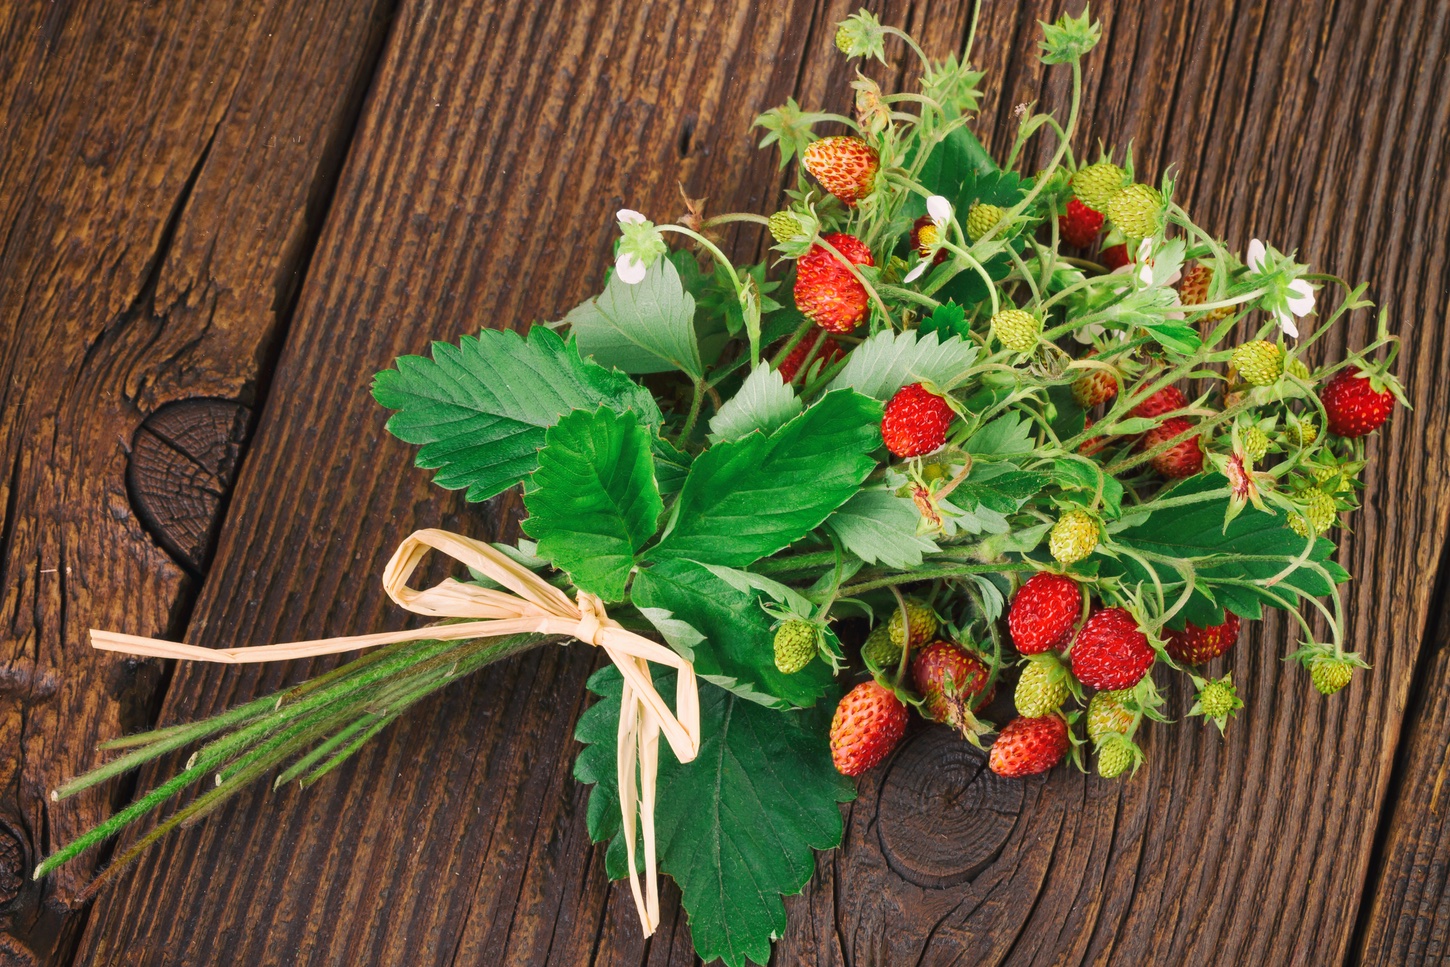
{"points": [[219, 218]]}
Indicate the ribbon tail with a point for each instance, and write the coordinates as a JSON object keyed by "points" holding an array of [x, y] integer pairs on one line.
{"points": [[649, 758], [627, 750]]}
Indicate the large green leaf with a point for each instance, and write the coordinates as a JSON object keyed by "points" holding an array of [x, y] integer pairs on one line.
{"points": [[880, 528], [737, 651], [1223, 577], [890, 360], [648, 327], [737, 826], [593, 502], [479, 409], [749, 498], [763, 402], [991, 492]]}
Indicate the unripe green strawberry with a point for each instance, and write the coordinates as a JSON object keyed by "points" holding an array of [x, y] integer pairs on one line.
{"points": [[1295, 367], [1108, 714], [1117, 755], [1042, 688], [1330, 674], [1319, 507], [1073, 537], [923, 624], [1217, 699], [879, 650], [1256, 443], [1017, 329], [795, 646], [1303, 433], [981, 218], [1095, 185], [785, 226], [1259, 363], [1137, 211]]}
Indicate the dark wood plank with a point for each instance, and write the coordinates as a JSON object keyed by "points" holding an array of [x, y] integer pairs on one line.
{"points": [[162, 174], [498, 142]]}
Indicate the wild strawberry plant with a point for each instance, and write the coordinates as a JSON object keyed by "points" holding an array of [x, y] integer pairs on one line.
{"points": [[968, 423]]}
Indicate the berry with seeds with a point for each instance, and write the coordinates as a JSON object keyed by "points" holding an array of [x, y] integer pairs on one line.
{"points": [[1095, 185], [1044, 612], [1116, 256], [1017, 329], [1081, 224], [922, 620], [1259, 363], [1330, 674], [982, 218], [1196, 646], [1042, 688], [1108, 714], [828, 353], [868, 723], [795, 646], [1166, 400], [1320, 510], [1117, 755], [1027, 746], [1073, 537], [1353, 405], [1302, 433], [1110, 652], [1256, 443], [785, 226], [845, 166], [1136, 210], [1183, 459], [950, 679], [880, 651], [915, 421], [825, 290], [1217, 700], [1094, 387], [1193, 291]]}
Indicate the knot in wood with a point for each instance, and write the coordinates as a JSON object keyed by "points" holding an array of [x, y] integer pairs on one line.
{"points": [[12, 864], [942, 815]]}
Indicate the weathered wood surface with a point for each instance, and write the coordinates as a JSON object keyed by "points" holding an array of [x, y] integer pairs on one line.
{"points": [[497, 140], [162, 171]]}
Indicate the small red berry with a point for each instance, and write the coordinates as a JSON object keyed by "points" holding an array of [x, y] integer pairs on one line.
{"points": [[829, 352], [1166, 400], [1110, 652], [915, 421], [1043, 613], [1353, 406], [1183, 459], [1080, 225], [845, 166], [869, 721], [1029, 746], [825, 290], [1197, 646], [950, 679], [1116, 257]]}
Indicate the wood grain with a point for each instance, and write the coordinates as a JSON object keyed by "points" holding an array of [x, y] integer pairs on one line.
{"points": [[498, 139], [161, 174]]}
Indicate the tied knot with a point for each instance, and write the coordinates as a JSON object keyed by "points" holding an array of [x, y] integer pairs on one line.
{"points": [[592, 619]]}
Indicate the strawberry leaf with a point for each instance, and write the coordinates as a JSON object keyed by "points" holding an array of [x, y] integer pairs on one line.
{"points": [[479, 409], [763, 402], [747, 499], [890, 360], [880, 528], [737, 827], [647, 327], [593, 502]]}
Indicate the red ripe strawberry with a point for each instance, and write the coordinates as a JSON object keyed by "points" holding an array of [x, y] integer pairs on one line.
{"points": [[1197, 646], [1183, 459], [1353, 406], [845, 166], [950, 678], [1043, 613], [1110, 652], [1029, 746], [1116, 257], [1166, 400], [829, 352], [1080, 225], [869, 721], [825, 290], [915, 421]]}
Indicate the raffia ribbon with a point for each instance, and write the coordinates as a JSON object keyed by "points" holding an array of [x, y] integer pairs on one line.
{"points": [[530, 605]]}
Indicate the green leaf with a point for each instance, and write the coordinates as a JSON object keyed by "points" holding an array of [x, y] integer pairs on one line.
{"points": [[648, 327], [763, 402], [747, 499], [479, 409], [593, 502], [880, 528], [890, 360], [1007, 435], [952, 166], [1070, 418], [991, 492], [1196, 533], [947, 320], [737, 826], [737, 650], [1086, 476], [672, 465], [1175, 336], [747, 581]]}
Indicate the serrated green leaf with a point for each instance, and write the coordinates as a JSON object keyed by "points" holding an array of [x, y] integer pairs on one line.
{"points": [[1008, 435], [736, 827], [479, 409], [746, 581], [1086, 476], [947, 320], [1196, 533], [747, 499], [890, 360], [763, 402], [648, 327], [1069, 418], [1175, 336], [953, 167], [737, 652], [672, 465], [593, 502], [992, 491], [880, 528]]}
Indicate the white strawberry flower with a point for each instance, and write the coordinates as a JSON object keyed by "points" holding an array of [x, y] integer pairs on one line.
{"points": [[940, 210], [1287, 297], [641, 246]]}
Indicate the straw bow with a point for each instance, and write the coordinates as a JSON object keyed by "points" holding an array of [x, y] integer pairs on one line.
{"points": [[527, 605]]}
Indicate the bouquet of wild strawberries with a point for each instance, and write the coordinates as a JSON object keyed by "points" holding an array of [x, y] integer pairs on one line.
{"points": [[971, 424]]}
